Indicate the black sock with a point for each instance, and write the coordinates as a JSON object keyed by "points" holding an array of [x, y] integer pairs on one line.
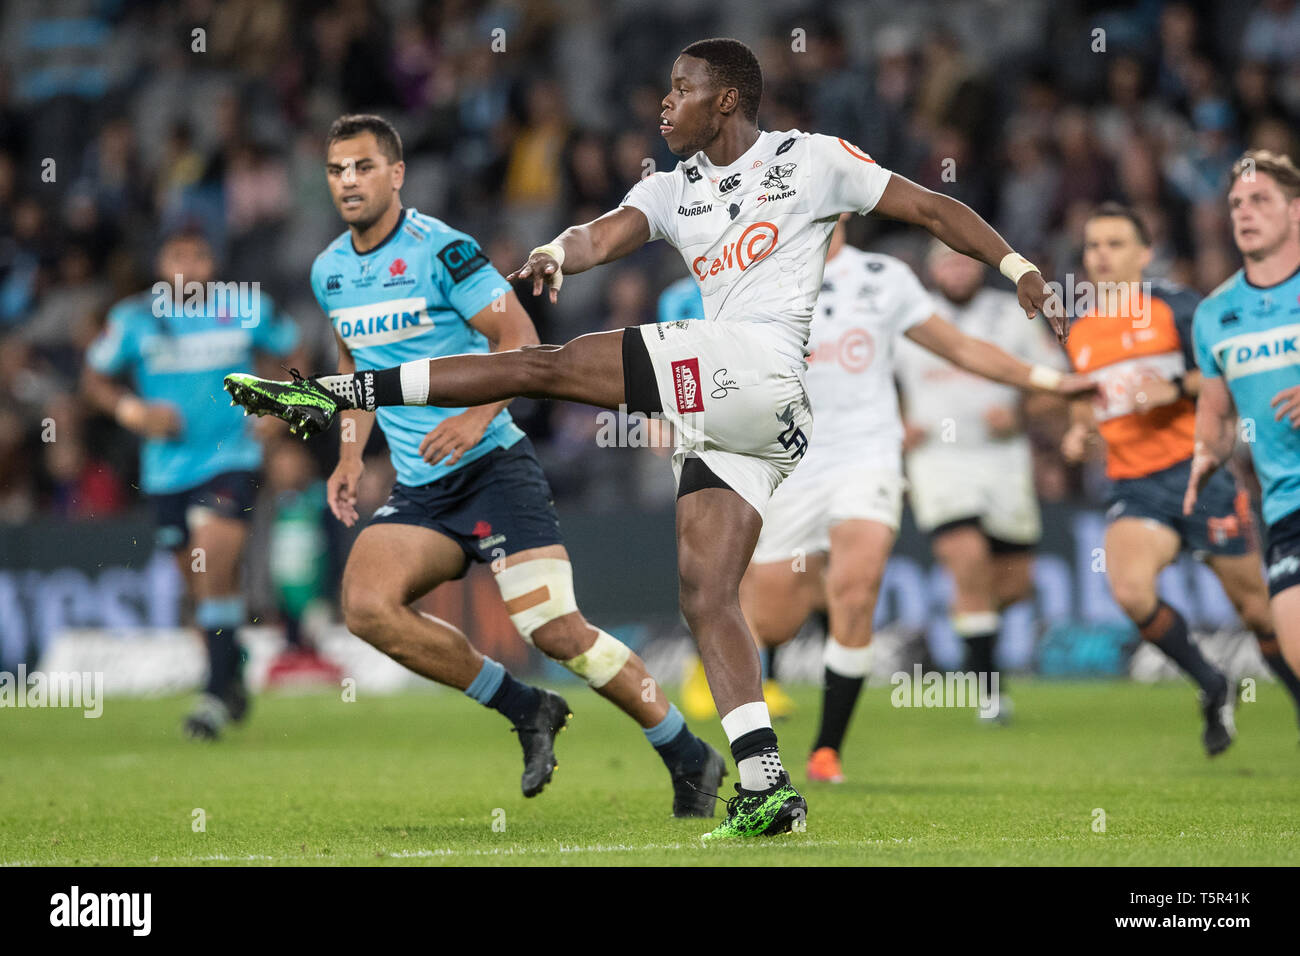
{"points": [[224, 659], [515, 699], [760, 744], [1278, 665], [1167, 630], [979, 652], [293, 632], [839, 697], [769, 654], [685, 752]]}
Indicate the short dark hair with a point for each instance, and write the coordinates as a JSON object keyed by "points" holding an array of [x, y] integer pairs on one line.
{"points": [[732, 64], [354, 124], [1117, 210]]}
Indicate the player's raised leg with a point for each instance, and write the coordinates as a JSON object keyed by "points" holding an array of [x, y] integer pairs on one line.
{"points": [[588, 369], [392, 565], [537, 587], [1137, 549]]}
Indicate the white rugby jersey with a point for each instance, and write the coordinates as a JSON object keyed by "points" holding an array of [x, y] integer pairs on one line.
{"points": [[754, 233], [948, 401], [867, 301]]}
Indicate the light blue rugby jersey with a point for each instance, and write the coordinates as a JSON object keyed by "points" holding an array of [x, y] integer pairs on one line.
{"points": [[412, 297], [1250, 336], [681, 300], [183, 359]]}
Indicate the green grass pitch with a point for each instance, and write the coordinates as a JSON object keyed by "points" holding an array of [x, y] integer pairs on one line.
{"points": [[432, 779]]}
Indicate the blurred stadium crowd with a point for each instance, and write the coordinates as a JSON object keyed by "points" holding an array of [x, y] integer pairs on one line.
{"points": [[122, 119]]}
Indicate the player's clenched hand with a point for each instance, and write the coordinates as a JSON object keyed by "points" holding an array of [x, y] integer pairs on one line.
{"points": [[1036, 297], [456, 435], [1287, 403], [1075, 442], [1203, 466], [341, 490], [1155, 394], [543, 270]]}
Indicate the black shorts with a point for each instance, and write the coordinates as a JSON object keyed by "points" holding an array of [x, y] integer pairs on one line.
{"points": [[495, 506], [1220, 524], [1282, 558], [230, 494]]}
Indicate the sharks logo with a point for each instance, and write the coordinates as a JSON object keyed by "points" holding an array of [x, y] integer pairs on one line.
{"points": [[777, 175]]}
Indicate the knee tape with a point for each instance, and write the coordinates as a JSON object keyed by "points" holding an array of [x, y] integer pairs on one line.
{"points": [[601, 662], [536, 592], [540, 591]]}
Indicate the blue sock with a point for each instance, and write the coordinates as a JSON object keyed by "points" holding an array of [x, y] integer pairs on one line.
{"points": [[220, 619], [679, 748], [495, 687]]}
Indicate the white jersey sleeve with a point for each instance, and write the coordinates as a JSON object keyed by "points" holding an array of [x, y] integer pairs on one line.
{"points": [[912, 303], [847, 179], [656, 196]]}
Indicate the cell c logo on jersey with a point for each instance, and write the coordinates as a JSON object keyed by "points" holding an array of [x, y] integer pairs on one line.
{"points": [[854, 351], [756, 242]]}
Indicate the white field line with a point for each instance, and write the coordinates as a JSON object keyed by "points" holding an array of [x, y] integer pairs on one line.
{"points": [[447, 853]]}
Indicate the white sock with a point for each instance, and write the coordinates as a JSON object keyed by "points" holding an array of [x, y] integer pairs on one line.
{"points": [[762, 770], [847, 661], [342, 386]]}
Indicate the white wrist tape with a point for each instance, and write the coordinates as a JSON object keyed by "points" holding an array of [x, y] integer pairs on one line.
{"points": [[556, 252], [1045, 377], [1014, 265]]}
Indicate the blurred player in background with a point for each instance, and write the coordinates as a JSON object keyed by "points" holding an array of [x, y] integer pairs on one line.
{"points": [[751, 213], [298, 551], [398, 285], [969, 464], [831, 525], [199, 457], [1137, 345], [679, 302], [1247, 338]]}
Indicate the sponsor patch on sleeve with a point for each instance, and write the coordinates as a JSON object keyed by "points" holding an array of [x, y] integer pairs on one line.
{"points": [[462, 258]]}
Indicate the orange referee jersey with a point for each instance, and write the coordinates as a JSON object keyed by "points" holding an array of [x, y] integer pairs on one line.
{"points": [[1121, 353]]}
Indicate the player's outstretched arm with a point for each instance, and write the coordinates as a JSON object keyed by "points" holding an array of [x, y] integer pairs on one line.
{"points": [[987, 360], [616, 234], [960, 228], [1216, 433]]}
